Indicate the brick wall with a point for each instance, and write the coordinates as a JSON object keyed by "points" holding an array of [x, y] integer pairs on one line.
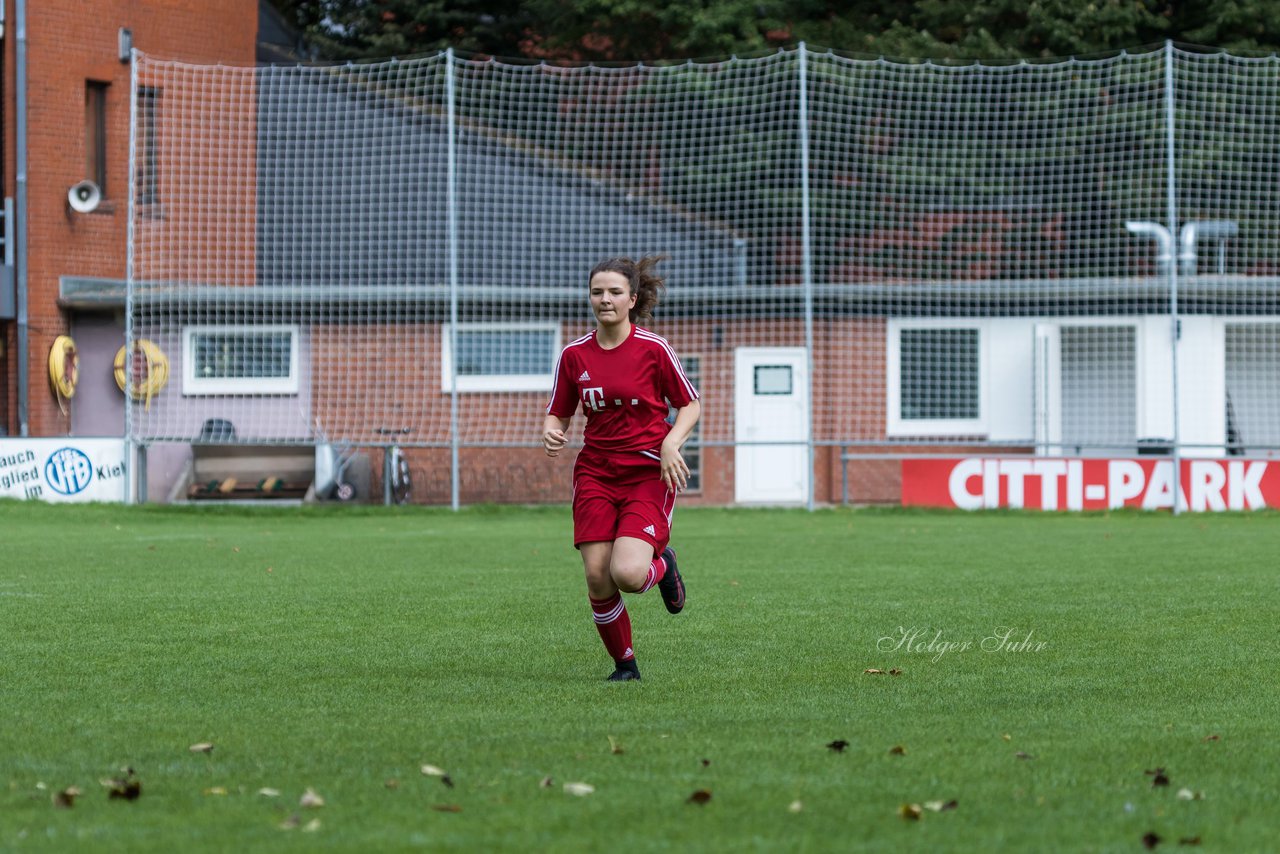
{"points": [[363, 376], [70, 42]]}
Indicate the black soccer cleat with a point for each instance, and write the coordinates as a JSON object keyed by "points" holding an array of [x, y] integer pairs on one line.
{"points": [[627, 670], [672, 585]]}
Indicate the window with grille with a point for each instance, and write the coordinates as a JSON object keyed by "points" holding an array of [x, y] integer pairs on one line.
{"points": [[501, 356], [240, 360], [936, 379], [692, 450]]}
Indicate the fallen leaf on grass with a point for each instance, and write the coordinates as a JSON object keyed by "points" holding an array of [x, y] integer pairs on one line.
{"points": [[1212, 737], [432, 771], [546, 782], [312, 826], [838, 745], [795, 806], [310, 800], [579, 789], [615, 746], [874, 671], [910, 812], [1006, 737], [1185, 794], [1150, 839], [1189, 840], [1022, 755], [446, 807], [1158, 777], [202, 747], [269, 793], [216, 790], [941, 806], [127, 788], [897, 750], [66, 799], [700, 797]]}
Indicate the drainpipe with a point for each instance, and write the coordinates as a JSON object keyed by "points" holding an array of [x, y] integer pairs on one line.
{"points": [[740, 263], [1163, 239], [1214, 229], [20, 229]]}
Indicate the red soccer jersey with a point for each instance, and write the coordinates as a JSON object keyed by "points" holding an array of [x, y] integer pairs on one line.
{"points": [[623, 391]]}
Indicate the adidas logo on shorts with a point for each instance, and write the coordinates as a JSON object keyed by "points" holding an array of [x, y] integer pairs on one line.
{"points": [[585, 376], [648, 529]]}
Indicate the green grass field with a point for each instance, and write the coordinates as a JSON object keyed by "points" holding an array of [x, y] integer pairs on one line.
{"points": [[341, 649]]}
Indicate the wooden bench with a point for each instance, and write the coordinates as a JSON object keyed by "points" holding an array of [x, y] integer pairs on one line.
{"points": [[250, 472]]}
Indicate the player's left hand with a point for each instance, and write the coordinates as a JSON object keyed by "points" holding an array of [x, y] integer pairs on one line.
{"points": [[675, 471]]}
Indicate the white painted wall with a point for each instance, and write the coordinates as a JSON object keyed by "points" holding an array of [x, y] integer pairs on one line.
{"points": [[1202, 386], [1009, 363], [1011, 381]]}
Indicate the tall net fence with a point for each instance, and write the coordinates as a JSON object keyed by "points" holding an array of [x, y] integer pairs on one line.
{"points": [[868, 260]]}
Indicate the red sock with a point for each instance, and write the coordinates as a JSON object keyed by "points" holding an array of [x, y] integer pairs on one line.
{"points": [[657, 569], [614, 626]]}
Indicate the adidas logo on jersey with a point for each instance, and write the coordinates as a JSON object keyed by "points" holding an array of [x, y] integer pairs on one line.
{"points": [[648, 529], [585, 377]]}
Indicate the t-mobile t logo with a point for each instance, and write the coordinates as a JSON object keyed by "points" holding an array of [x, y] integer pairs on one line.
{"points": [[594, 398]]}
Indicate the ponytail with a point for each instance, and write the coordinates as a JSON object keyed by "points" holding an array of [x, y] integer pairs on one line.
{"points": [[646, 284]]}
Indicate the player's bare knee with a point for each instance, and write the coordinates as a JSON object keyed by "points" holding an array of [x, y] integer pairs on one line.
{"points": [[627, 577], [599, 581]]}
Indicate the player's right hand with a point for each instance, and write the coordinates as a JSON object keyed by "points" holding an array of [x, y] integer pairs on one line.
{"points": [[553, 441]]}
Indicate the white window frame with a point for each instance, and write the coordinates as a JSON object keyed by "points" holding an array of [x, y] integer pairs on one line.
{"points": [[897, 426], [194, 385], [498, 382]]}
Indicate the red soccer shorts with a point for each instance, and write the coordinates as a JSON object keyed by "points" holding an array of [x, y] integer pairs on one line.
{"points": [[620, 497]]}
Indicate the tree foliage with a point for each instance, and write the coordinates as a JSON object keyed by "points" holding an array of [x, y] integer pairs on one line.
{"points": [[614, 30]]}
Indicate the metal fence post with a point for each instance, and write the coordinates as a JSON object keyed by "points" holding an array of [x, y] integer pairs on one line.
{"points": [[806, 243], [1174, 326], [135, 489], [452, 192]]}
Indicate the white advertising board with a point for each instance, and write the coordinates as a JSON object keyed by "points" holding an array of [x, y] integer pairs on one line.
{"points": [[63, 469]]}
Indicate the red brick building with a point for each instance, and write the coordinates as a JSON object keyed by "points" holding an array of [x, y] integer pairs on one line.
{"points": [[75, 64]]}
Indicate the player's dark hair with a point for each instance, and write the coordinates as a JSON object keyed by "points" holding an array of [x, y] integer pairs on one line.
{"points": [[646, 284]]}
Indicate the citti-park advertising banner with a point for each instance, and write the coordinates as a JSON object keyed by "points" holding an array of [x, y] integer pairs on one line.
{"points": [[1046, 483], [61, 470]]}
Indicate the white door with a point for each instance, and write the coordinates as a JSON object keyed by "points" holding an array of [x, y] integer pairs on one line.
{"points": [[771, 404]]}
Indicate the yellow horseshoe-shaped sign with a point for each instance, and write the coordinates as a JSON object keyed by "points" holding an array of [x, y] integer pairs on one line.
{"points": [[148, 370], [64, 369]]}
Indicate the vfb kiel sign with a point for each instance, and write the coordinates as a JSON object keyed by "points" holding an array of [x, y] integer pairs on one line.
{"points": [[65, 469], [1048, 483]]}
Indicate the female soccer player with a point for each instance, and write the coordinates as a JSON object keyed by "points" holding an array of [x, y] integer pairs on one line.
{"points": [[630, 468]]}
